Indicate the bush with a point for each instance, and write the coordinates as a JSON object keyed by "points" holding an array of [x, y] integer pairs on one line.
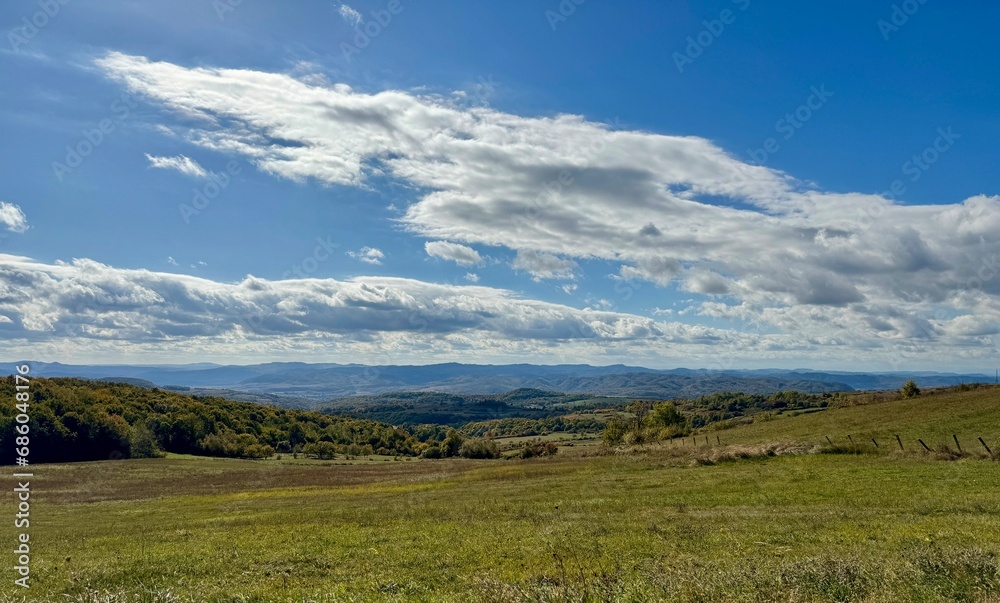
{"points": [[634, 437], [479, 448], [614, 431], [910, 389], [432, 452], [533, 449]]}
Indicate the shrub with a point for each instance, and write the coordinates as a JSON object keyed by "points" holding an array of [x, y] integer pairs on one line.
{"points": [[479, 448], [432, 452], [910, 389], [533, 449], [614, 431]]}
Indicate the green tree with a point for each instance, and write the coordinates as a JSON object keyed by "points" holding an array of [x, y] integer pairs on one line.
{"points": [[479, 448], [910, 389], [640, 409], [143, 443], [452, 443], [614, 431], [665, 414]]}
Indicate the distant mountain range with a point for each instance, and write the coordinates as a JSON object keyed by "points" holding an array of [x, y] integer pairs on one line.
{"points": [[302, 381]]}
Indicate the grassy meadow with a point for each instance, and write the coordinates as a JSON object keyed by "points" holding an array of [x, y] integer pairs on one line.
{"points": [[767, 518], [933, 417]]}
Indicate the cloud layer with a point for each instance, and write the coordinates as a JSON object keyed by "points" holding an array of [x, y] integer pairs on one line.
{"points": [[757, 247], [86, 301]]}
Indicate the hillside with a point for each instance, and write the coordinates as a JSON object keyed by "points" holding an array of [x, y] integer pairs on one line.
{"points": [[439, 408], [321, 381], [934, 416], [80, 420]]}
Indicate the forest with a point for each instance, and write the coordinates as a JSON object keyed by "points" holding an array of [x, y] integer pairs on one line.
{"points": [[81, 420]]}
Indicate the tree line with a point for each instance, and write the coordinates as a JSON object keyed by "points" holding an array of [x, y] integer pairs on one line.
{"points": [[654, 421], [81, 420]]}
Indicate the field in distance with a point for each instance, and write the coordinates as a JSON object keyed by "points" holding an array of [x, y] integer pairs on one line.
{"points": [[659, 524]]}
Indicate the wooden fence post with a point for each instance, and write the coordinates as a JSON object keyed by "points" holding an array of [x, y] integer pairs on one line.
{"points": [[874, 442], [924, 445], [829, 441], [956, 443], [988, 451], [900, 442]]}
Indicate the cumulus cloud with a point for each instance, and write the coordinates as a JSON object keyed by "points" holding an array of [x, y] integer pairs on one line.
{"points": [[350, 15], [368, 255], [849, 269], [12, 218], [542, 265], [90, 306], [472, 277], [93, 301], [463, 255], [181, 163]]}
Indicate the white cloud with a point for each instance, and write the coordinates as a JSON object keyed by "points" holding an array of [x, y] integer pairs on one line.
{"points": [[154, 310], [368, 255], [677, 211], [350, 15], [91, 308], [472, 277], [460, 254], [172, 261], [181, 163], [599, 304], [12, 217], [543, 265]]}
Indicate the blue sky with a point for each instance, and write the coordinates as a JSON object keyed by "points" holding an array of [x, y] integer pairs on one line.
{"points": [[745, 258]]}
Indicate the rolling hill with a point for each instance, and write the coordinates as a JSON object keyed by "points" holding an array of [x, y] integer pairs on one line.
{"points": [[934, 417]]}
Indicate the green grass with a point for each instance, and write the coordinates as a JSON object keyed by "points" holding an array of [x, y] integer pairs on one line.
{"points": [[932, 417], [610, 528], [740, 523]]}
